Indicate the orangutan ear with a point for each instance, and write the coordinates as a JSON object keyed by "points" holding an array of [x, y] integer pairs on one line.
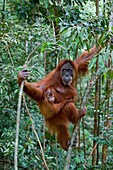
{"points": [[83, 61]]}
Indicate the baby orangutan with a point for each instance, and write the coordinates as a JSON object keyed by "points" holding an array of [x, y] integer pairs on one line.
{"points": [[49, 100], [50, 95]]}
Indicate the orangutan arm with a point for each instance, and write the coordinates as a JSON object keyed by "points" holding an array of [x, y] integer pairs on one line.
{"points": [[31, 89]]}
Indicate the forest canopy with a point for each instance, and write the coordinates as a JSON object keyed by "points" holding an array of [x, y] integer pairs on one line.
{"points": [[41, 33]]}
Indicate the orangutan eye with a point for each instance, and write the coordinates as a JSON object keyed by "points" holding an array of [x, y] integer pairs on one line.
{"points": [[64, 70], [70, 70]]}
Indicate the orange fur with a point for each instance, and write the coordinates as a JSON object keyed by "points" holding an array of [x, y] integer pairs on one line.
{"points": [[57, 120], [51, 108]]}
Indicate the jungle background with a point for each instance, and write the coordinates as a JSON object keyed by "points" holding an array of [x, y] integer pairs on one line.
{"points": [[45, 32]]}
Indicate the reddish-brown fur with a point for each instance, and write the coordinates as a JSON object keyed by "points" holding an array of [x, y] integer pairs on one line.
{"points": [[36, 91], [51, 108]]}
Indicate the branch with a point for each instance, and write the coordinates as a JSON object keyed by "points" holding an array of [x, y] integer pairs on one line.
{"points": [[17, 126], [11, 58], [10, 55], [69, 152], [96, 144], [90, 85], [36, 134], [34, 51], [84, 100]]}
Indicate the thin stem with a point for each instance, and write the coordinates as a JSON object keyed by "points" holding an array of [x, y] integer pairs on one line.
{"points": [[17, 127], [36, 134]]}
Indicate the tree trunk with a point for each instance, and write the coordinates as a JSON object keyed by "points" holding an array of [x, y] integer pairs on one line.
{"points": [[84, 138], [43, 116], [108, 88], [106, 123], [98, 129], [96, 98], [79, 138]]}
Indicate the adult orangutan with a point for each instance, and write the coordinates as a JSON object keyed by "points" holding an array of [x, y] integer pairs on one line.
{"points": [[62, 80]]}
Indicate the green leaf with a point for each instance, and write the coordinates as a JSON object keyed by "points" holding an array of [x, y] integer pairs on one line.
{"points": [[43, 46], [50, 16], [46, 3], [64, 32], [92, 63]]}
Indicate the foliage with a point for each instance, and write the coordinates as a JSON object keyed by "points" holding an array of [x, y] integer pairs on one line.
{"points": [[26, 25]]}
